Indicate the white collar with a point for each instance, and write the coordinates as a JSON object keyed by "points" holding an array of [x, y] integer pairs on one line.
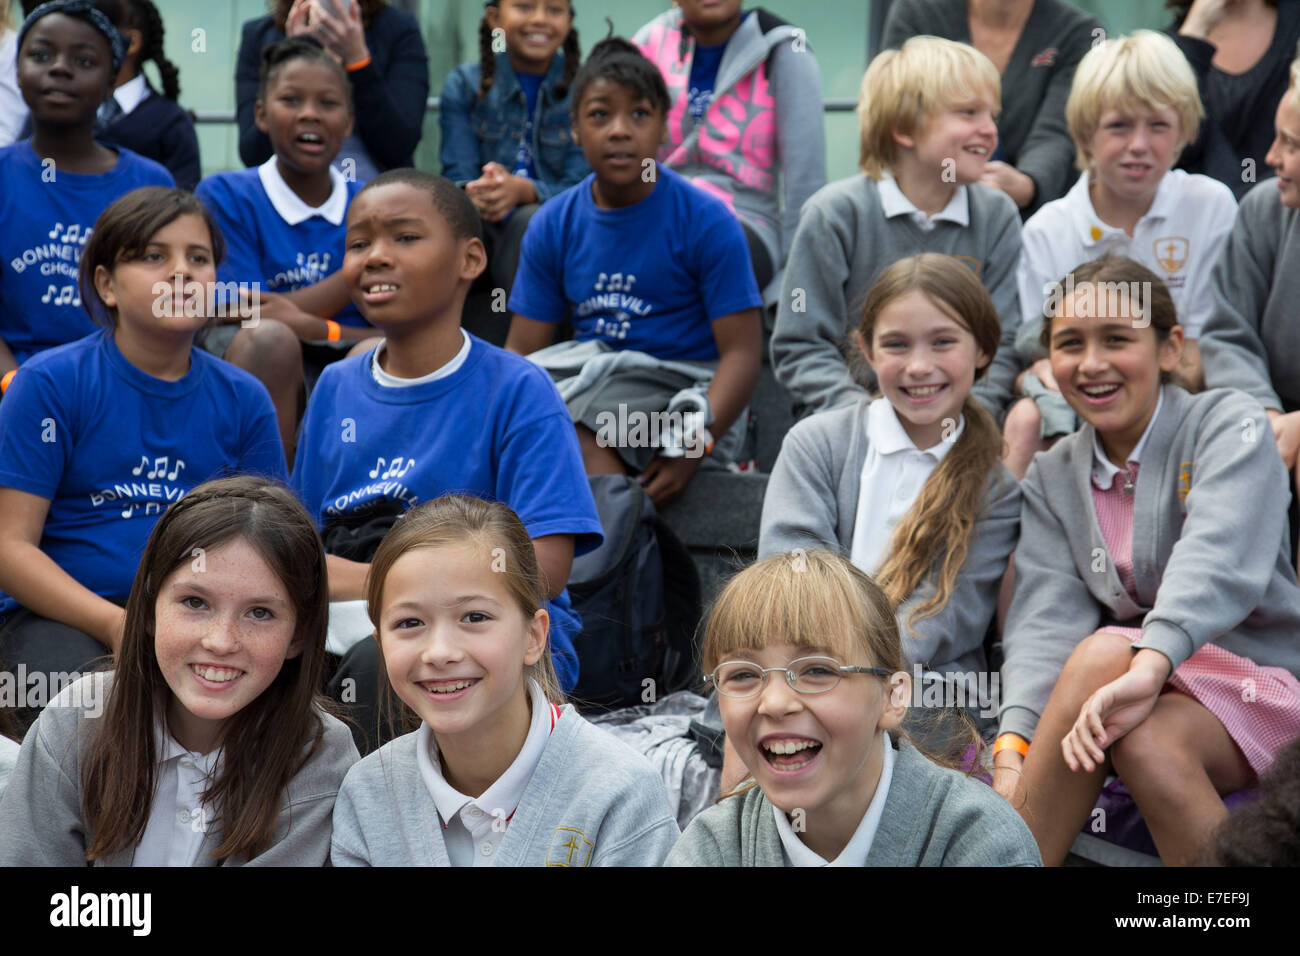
{"points": [[389, 380], [130, 94], [500, 799], [894, 203], [1103, 470], [887, 435], [291, 208], [859, 845], [1091, 228]]}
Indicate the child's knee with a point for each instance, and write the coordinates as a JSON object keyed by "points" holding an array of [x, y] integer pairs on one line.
{"points": [[1098, 659], [1153, 755], [269, 348], [1023, 424]]}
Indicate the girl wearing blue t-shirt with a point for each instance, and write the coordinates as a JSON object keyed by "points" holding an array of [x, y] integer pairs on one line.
{"points": [[57, 182], [657, 278], [99, 436], [505, 121]]}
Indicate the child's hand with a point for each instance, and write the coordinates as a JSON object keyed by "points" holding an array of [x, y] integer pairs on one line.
{"points": [[1006, 774], [665, 478], [1010, 180], [497, 192], [1115, 709], [273, 305], [1286, 429]]}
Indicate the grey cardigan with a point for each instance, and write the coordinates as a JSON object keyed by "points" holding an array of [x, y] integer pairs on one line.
{"points": [[932, 817], [41, 821], [592, 801], [1251, 338], [1210, 550], [812, 502]]}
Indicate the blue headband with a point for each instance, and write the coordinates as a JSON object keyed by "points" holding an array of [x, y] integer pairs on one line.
{"points": [[83, 10]]}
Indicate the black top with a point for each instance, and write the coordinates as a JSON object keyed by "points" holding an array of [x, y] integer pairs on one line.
{"points": [[389, 95], [163, 131], [1239, 108], [1035, 85]]}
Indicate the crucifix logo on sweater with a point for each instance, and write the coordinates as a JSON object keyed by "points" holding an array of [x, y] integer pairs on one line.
{"points": [[1171, 252]]}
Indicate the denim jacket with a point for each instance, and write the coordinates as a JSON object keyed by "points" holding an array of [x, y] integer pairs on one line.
{"points": [[477, 131]]}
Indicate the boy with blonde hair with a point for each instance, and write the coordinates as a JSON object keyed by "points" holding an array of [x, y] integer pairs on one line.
{"points": [[1132, 109], [926, 121]]}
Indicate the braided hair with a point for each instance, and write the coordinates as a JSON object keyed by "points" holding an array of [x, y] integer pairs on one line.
{"points": [[487, 58], [142, 15]]}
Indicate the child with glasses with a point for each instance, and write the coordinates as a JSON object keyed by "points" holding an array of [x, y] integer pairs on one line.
{"points": [[810, 710]]}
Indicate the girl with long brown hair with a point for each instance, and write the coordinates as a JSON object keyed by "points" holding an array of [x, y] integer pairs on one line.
{"points": [[207, 745], [909, 485]]}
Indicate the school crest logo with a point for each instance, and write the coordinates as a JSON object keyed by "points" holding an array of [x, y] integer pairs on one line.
{"points": [[569, 847], [1170, 252], [1184, 479], [974, 264]]}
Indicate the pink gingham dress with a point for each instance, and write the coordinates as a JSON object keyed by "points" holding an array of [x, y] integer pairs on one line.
{"points": [[1258, 706]]}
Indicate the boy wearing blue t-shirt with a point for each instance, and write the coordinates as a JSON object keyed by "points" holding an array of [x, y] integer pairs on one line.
{"points": [[658, 280], [433, 410]]}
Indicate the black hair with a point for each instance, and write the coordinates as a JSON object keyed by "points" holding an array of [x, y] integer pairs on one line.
{"points": [[487, 59], [124, 229], [1266, 832], [618, 61], [142, 15], [450, 200], [275, 56]]}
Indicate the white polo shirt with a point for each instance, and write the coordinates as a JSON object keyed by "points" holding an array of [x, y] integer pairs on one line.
{"points": [[859, 846], [473, 828], [1179, 239], [291, 207], [894, 203], [892, 476], [178, 818]]}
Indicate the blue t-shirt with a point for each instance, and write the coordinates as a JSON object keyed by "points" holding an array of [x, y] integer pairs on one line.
{"points": [[531, 83], [262, 247], [111, 447], [651, 276], [704, 77], [495, 428], [46, 216]]}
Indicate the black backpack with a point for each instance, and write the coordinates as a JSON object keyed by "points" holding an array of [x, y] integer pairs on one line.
{"points": [[639, 598]]}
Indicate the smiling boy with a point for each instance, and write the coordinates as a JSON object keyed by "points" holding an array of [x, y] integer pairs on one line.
{"points": [[926, 122]]}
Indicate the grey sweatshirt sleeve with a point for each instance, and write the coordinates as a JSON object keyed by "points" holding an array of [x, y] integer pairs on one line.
{"points": [[996, 389], [1052, 611], [800, 505], [800, 132], [957, 631], [347, 841], [40, 812], [699, 844], [1232, 350], [1047, 154], [1225, 556], [812, 315]]}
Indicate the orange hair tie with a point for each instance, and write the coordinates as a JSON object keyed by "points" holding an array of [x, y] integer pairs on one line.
{"points": [[8, 377], [1011, 742], [359, 65], [335, 332]]}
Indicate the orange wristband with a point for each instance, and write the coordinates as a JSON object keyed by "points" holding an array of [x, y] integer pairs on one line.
{"points": [[359, 65], [1011, 742], [335, 332], [8, 377]]}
